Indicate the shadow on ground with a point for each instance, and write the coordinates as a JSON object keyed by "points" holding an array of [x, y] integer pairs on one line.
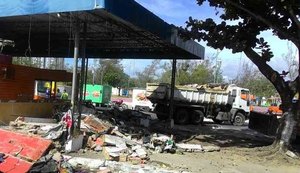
{"points": [[214, 134]]}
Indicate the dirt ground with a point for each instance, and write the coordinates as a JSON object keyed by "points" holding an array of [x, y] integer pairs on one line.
{"points": [[242, 151], [226, 161]]}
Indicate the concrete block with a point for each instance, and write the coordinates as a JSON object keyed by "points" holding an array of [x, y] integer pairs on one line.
{"points": [[74, 144]]}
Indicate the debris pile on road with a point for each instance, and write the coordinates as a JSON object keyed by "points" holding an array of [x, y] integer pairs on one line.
{"points": [[121, 137]]}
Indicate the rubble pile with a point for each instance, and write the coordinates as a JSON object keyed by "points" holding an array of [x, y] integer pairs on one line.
{"points": [[116, 139]]}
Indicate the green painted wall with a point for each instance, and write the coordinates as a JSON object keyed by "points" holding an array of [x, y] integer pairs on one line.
{"points": [[98, 93]]}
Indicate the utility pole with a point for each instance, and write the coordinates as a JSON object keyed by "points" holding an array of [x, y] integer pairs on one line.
{"points": [[216, 66]]}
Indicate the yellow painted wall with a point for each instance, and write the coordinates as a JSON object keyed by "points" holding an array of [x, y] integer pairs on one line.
{"points": [[11, 111]]}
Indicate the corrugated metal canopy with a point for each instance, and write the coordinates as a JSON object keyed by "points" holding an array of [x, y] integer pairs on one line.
{"points": [[115, 29]]}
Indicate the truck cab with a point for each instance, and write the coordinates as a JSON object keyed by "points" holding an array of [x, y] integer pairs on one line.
{"points": [[242, 99]]}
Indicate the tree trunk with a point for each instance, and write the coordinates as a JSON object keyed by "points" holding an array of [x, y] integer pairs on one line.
{"points": [[287, 125]]}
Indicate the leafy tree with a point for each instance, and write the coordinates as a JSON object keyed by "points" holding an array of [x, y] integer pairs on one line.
{"points": [[110, 72], [27, 61], [149, 74], [244, 35], [202, 75], [251, 78], [166, 75], [51, 63], [190, 72]]}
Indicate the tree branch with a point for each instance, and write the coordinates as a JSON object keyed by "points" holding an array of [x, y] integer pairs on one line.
{"points": [[295, 41], [272, 75], [294, 85], [294, 17]]}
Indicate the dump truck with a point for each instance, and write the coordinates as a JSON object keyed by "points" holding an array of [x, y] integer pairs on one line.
{"points": [[220, 102]]}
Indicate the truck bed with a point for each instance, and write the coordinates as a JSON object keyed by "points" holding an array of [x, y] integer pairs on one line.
{"points": [[162, 91]]}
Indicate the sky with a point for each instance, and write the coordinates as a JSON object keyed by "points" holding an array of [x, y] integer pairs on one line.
{"points": [[177, 13]]}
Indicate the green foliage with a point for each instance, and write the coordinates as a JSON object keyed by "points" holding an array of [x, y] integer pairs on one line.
{"points": [[149, 74], [26, 61], [250, 77], [50, 63], [109, 72], [190, 72], [260, 86], [240, 28], [201, 75], [252, 18]]}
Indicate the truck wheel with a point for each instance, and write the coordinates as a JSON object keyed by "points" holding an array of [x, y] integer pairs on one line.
{"points": [[161, 112], [217, 121], [181, 116], [136, 108], [124, 106], [239, 119], [197, 117]]}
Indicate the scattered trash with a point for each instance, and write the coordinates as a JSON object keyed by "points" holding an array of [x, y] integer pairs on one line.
{"points": [[114, 136], [44, 164], [53, 132], [145, 122]]}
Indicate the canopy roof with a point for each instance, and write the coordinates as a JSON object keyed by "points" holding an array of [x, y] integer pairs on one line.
{"points": [[114, 29]]}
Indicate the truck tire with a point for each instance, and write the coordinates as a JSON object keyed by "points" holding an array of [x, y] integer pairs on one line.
{"points": [[161, 112], [239, 119], [181, 116], [124, 106], [197, 117]]}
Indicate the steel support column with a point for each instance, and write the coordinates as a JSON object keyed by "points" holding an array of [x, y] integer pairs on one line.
{"points": [[82, 73], [171, 117], [75, 64], [86, 75]]}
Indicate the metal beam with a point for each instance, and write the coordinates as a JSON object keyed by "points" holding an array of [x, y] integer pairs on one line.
{"points": [[82, 80], [173, 79], [75, 64]]}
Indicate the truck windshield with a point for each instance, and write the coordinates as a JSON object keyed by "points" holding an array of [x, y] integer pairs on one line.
{"points": [[245, 95]]}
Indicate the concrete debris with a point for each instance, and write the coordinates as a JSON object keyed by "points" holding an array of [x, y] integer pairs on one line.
{"points": [[141, 153], [95, 143], [113, 153], [93, 164], [291, 154], [74, 144], [122, 138], [211, 148], [110, 140], [190, 147], [57, 157], [95, 124], [104, 170], [159, 138], [127, 167], [35, 120]]}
